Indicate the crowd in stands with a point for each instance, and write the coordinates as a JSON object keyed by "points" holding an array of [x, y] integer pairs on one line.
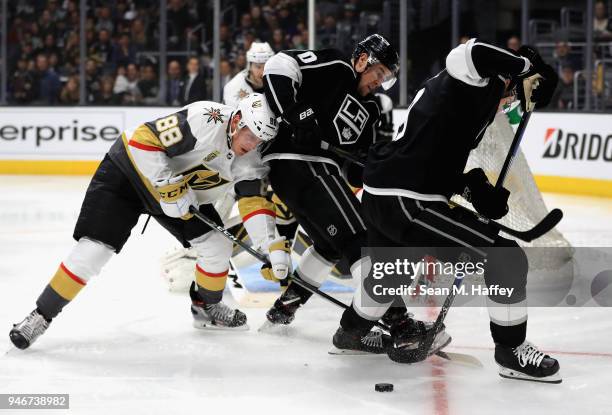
{"points": [[122, 44], [122, 47]]}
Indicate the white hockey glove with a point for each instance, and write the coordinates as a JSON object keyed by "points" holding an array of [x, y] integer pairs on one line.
{"points": [[176, 197], [280, 260]]}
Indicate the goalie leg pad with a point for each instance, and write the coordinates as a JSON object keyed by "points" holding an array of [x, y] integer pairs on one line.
{"points": [[212, 265], [84, 262]]}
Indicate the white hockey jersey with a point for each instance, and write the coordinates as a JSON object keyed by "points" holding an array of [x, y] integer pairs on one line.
{"points": [[237, 88], [193, 142]]}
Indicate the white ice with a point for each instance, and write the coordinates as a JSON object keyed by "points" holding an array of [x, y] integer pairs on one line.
{"points": [[126, 346]]}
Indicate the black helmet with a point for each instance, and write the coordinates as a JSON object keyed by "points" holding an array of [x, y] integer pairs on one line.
{"points": [[379, 50]]}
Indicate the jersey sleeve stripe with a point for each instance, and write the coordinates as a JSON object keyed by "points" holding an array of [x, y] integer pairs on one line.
{"points": [[144, 146]]}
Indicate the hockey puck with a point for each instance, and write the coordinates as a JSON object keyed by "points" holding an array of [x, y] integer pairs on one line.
{"points": [[383, 387]]}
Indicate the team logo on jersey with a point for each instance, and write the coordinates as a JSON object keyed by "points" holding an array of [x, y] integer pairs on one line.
{"points": [[214, 115], [211, 156], [332, 230], [242, 93], [350, 120], [202, 178]]}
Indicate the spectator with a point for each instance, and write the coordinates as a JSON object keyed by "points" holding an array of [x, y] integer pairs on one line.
{"points": [[101, 51], [179, 21], [148, 85], [240, 62], [70, 92], [513, 43], [131, 93], [23, 84], [278, 40], [49, 45], [258, 23], [227, 72], [92, 82], [246, 26], [563, 57], [105, 20], [563, 98], [194, 83], [601, 24], [226, 45], [139, 35], [124, 52], [47, 81], [174, 85], [106, 95], [46, 24], [327, 34]]}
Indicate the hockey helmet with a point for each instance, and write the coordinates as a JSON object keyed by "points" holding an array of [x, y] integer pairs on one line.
{"points": [[379, 50], [258, 116], [259, 52]]}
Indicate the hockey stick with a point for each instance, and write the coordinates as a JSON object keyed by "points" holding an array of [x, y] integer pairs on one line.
{"points": [[456, 357], [195, 212], [516, 142]]}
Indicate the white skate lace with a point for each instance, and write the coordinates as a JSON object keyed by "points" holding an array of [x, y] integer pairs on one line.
{"points": [[33, 326], [220, 312], [527, 353], [373, 339]]}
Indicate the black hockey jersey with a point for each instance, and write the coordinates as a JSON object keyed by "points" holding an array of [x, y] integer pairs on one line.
{"points": [[445, 121], [325, 80]]}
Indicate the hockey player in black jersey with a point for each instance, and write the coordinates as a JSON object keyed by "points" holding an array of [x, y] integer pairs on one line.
{"points": [[408, 182], [323, 97]]}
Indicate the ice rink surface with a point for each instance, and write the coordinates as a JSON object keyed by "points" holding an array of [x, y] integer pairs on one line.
{"points": [[126, 346]]}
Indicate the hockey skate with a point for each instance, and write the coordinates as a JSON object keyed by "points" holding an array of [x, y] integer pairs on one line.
{"points": [[408, 333], [216, 316], [354, 342], [25, 333], [284, 308], [526, 362]]}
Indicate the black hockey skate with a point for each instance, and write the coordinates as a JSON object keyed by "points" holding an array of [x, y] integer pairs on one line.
{"points": [[408, 333], [284, 308], [215, 316], [25, 333], [526, 362], [354, 342]]}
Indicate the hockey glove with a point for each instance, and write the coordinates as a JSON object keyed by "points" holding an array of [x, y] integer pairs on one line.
{"points": [[280, 260], [306, 131], [176, 197], [488, 200], [536, 91]]}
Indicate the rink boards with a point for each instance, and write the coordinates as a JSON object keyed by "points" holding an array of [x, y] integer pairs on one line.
{"points": [[567, 152]]}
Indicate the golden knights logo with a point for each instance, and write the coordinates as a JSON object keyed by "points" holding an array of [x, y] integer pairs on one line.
{"points": [[202, 178], [350, 120], [214, 114]]}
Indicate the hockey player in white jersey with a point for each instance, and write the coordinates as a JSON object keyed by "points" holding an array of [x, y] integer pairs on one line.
{"points": [[162, 168], [250, 79]]}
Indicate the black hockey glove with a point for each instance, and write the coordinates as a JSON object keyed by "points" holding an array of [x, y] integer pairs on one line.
{"points": [[486, 198], [543, 92], [303, 122]]}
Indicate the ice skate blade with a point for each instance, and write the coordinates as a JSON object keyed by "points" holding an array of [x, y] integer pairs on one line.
{"points": [[348, 352], [204, 326], [507, 373]]}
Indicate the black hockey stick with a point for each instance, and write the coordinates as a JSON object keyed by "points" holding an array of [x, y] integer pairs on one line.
{"points": [[196, 212], [516, 143], [456, 357]]}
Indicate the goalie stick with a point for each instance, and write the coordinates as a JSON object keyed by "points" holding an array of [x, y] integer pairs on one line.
{"points": [[454, 357]]}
